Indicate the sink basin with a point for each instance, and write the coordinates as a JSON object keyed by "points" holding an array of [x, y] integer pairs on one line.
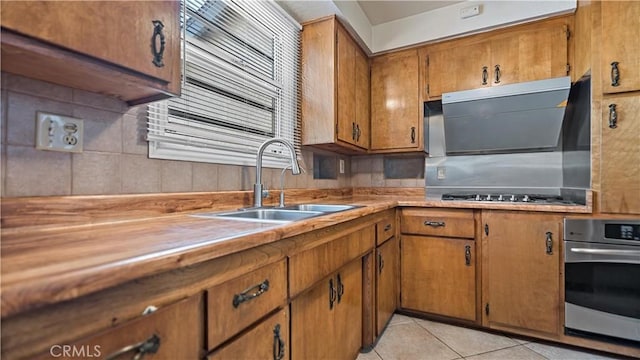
{"points": [[320, 207], [264, 215]]}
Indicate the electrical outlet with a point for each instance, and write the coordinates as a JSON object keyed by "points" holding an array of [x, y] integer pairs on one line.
{"points": [[341, 166], [469, 11], [58, 132]]}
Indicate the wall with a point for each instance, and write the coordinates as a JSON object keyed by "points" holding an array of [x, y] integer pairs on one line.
{"points": [[368, 171], [114, 160]]}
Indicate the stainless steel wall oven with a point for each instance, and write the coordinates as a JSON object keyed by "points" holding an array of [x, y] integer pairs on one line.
{"points": [[602, 279]]}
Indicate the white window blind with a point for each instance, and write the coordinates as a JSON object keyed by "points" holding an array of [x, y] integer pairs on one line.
{"points": [[240, 87]]}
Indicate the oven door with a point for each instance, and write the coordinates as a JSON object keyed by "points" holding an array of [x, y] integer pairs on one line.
{"points": [[602, 289]]}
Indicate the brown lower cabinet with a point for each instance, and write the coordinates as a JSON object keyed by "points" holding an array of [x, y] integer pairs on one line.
{"points": [[268, 340], [386, 283], [326, 321]]}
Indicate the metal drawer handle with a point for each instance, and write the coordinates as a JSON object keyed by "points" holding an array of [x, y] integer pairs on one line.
{"points": [[157, 36], [151, 345], [278, 344], [606, 252], [497, 71], [549, 243], [387, 227], [413, 135], [434, 223], [615, 74], [246, 296], [467, 255], [613, 116], [485, 75]]}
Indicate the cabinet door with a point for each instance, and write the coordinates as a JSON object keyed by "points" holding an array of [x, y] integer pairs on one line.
{"points": [[348, 311], [620, 46], [119, 32], [438, 276], [521, 275], [386, 283], [346, 53], [458, 68], [529, 55], [268, 340], [313, 335], [363, 108], [620, 164], [395, 105]]}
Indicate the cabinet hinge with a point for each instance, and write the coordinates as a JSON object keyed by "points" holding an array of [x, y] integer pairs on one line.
{"points": [[486, 309], [486, 229], [568, 69]]}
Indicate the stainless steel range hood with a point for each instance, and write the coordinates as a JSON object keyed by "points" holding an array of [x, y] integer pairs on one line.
{"points": [[505, 119]]}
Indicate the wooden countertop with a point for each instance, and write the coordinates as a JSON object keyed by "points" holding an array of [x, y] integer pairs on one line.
{"points": [[48, 264]]}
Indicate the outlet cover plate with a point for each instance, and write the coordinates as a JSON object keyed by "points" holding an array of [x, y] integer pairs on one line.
{"points": [[59, 133]]}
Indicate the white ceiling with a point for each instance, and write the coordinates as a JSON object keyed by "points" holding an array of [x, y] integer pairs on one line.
{"points": [[380, 12]]}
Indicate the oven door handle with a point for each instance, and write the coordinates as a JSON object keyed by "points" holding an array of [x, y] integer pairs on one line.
{"points": [[606, 252]]}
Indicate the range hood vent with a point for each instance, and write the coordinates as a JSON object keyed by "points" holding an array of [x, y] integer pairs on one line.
{"points": [[505, 119]]}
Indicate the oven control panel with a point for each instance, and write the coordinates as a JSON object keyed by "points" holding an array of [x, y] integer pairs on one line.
{"points": [[615, 231], [622, 231]]}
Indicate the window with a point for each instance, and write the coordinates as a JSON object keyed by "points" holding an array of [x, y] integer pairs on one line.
{"points": [[240, 86]]}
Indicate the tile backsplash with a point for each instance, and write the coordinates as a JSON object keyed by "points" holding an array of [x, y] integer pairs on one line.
{"points": [[114, 159]]}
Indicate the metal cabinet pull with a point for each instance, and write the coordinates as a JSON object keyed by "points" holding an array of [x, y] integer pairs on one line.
{"points": [[549, 243], [157, 36], [353, 131], [278, 344], [467, 255], [613, 116], [434, 223], [485, 75], [497, 74], [615, 74], [246, 296], [340, 288], [357, 132], [380, 263], [149, 346], [413, 135], [387, 227], [332, 294]]}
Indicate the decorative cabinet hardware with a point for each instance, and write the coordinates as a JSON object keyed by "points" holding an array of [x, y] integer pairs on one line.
{"points": [[357, 132], [486, 229], [149, 346], [380, 263], [434, 223], [387, 227], [246, 296], [485, 75], [340, 288], [549, 243], [467, 255], [615, 74], [158, 37], [497, 74], [278, 344], [486, 309], [353, 131], [332, 294], [613, 116], [413, 135]]}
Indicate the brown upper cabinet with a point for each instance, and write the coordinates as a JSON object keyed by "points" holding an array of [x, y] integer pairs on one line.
{"points": [[620, 46], [527, 53], [396, 109], [335, 89], [126, 49]]}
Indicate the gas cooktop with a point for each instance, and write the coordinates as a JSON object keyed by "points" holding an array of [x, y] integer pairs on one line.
{"points": [[510, 198]]}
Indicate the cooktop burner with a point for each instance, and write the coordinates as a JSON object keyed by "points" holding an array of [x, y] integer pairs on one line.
{"points": [[513, 198]]}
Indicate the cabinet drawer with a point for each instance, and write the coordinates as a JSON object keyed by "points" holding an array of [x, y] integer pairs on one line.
{"points": [[310, 266], [238, 303], [176, 331], [438, 222], [268, 340], [385, 229]]}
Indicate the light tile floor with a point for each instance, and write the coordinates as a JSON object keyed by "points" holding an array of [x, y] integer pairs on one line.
{"points": [[408, 338]]}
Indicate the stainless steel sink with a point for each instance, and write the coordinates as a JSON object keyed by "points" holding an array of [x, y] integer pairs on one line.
{"points": [[320, 207], [279, 215], [264, 215]]}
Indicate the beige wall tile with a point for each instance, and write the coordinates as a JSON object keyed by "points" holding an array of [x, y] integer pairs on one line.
{"points": [[139, 174], [229, 177], [134, 132], [361, 179], [377, 164], [96, 174], [21, 116], [176, 176], [86, 98], [102, 129], [31, 172], [248, 177], [377, 179], [205, 177], [34, 87]]}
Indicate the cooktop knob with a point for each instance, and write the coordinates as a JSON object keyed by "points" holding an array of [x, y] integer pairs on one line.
{"points": [[478, 198], [489, 197], [500, 198], [526, 198], [512, 198]]}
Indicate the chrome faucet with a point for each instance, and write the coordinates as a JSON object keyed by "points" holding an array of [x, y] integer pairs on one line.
{"points": [[257, 187]]}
